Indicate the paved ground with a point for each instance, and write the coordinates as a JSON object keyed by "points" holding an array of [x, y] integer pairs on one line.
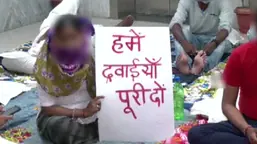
{"points": [[13, 38]]}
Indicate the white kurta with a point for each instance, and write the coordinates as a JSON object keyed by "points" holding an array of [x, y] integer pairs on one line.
{"points": [[217, 16], [77, 100], [65, 7]]}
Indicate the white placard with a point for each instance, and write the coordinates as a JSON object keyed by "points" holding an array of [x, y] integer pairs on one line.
{"points": [[124, 69]]}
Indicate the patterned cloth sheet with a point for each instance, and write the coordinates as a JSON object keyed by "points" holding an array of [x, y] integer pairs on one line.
{"points": [[196, 91], [201, 87], [23, 129]]}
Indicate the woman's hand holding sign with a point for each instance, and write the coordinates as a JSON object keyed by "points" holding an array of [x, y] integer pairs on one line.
{"points": [[93, 107]]}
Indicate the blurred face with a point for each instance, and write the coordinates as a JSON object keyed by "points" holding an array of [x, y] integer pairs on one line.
{"points": [[68, 38], [204, 1], [69, 48]]}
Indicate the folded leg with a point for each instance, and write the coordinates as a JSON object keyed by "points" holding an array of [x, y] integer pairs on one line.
{"points": [[214, 59], [64, 130], [216, 133]]}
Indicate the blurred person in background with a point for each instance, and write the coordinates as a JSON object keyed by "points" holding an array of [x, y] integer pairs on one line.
{"points": [[74, 7], [25, 62]]}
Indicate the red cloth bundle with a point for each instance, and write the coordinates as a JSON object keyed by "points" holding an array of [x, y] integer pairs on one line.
{"points": [[180, 136]]}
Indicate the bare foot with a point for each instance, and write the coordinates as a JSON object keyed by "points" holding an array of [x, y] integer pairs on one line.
{"points": [[199, 62], [182, 64], [126, 22]]}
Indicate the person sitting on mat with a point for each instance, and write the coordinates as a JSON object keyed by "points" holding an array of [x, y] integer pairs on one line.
{"points": [[202, 46], [23, 61], [65, 73], [241, 127], [3, 118]]}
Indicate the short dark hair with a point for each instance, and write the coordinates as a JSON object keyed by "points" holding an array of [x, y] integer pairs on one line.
{"points": [[76, 22]]}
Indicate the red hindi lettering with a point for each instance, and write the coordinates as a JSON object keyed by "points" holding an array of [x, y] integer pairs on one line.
{"points": [[135, 40], [134, 73], [160, 99], [139, 91], [117, 45], [152, 71], [128, 109], [107, 76], [122, 70]]}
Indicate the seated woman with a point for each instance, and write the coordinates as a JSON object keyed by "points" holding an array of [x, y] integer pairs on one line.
{"points": [[23, 62], [201, 47], [65, 74], [241, 127]]}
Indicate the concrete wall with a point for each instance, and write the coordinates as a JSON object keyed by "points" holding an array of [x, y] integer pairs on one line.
{"points": [[151, 10], [161, 11], [18, 13], [125, 7], [96, 8]]}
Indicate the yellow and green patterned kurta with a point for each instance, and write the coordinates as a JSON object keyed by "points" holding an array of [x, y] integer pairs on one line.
{"points": [[57, 83]]}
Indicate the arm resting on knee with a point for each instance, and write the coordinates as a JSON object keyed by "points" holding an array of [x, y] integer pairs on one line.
{"points": [[229, 108], [233, 79], [225, 17], [51, 108], [178, 19], [221, 36], [61, 111], [178, 34]]}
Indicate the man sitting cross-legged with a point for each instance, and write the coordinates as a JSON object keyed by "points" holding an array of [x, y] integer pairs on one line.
{"points": [[202, 46]]}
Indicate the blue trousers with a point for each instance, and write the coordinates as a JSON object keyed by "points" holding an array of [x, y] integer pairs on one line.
{"points": [[199, 41], [219, 133]]}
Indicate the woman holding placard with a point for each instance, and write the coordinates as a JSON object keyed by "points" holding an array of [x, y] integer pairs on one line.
{"points": [[65, 74]]}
